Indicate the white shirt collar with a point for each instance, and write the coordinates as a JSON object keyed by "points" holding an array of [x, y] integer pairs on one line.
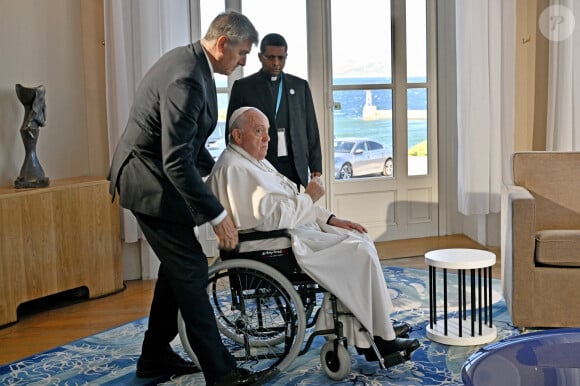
{"points": [[208, 61]]}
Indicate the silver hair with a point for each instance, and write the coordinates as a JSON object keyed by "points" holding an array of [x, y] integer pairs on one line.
{"points": [[234, 26]]}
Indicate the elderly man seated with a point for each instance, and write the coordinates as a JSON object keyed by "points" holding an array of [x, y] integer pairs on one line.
{"points": [[336, 253]]}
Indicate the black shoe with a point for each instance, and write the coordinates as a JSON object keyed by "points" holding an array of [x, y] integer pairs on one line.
{"points": [[393, 351], [402, 345], [241, 376], [402, 329], [368, 352], [168, 365]]}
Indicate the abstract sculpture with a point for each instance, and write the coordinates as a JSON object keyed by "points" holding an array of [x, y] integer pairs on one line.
{"points": [[33, 99]]}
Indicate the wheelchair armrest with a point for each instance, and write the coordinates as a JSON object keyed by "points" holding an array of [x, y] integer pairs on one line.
{"points": [[263, 235]]}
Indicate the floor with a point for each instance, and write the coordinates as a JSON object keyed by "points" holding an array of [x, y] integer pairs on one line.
{"points": [[65, 318]]}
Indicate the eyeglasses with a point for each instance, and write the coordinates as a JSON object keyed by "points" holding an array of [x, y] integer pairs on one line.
{"points": [[271, 58]]}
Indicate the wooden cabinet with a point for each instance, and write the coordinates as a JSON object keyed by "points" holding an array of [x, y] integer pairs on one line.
{"points": [[58, 238]]}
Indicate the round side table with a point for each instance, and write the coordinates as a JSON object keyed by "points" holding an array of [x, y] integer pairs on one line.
{"points": [[473, 295]]}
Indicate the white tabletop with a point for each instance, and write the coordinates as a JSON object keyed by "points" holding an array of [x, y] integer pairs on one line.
{"points": [[460, 258]]}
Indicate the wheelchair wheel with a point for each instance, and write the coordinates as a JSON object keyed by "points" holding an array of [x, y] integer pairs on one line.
{"points": [[259, 314], [336, 364]]}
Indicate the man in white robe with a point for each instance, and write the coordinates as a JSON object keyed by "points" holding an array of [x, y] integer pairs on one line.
{"points": [[338, 254]]}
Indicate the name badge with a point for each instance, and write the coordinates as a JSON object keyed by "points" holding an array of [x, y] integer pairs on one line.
{"points": [[282, 150]]}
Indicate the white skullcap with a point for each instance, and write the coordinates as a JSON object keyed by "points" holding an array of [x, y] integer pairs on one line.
{"points": [[236, 114]]}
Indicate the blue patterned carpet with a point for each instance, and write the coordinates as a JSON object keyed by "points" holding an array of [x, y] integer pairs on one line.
{"points": [[109, 358]]}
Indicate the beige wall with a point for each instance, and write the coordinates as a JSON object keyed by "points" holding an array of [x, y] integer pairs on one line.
{"points": [[58, 44]]}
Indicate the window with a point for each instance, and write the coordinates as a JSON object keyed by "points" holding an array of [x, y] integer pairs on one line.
{"points": [[287, 18], [374, 145], [369, 78], [294, 15], [380, 84], [216, 143]]}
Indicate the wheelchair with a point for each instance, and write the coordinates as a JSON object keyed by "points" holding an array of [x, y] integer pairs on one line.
{"points": [[264, 304]]}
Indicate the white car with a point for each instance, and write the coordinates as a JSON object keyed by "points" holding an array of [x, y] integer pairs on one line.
{"points": [[354, 157]]}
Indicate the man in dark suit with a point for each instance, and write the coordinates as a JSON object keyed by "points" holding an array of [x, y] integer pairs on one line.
{"points": [[287, 102], [157, 170]]}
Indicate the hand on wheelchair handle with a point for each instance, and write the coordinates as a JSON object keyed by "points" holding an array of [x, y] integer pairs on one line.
{"points": [[315, 189], [227, 234]]}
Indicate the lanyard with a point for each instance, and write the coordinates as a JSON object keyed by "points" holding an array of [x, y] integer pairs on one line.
{"points": [[279, 98]]}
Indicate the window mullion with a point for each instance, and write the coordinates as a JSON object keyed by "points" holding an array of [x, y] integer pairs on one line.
{"points": [[399, 44]]}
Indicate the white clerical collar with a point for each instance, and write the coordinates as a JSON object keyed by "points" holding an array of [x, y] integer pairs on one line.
{"points": [[273, 78], [238, 149]]}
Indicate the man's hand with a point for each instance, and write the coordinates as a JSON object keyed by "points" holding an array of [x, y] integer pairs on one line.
{"points": [[315, 189], [227, 234], [347, 224]]}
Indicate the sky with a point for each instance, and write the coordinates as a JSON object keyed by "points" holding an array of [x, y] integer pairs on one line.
{"points": [[360, 34]]}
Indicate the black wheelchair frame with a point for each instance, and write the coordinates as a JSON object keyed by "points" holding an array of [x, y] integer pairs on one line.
{"points": [[264, 303]]}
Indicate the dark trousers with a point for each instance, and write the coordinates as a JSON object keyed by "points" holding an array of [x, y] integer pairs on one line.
{"points": [[181, 285]]}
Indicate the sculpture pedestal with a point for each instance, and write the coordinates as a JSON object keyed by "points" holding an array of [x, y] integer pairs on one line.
{"points": [[21, 183], [58, 238]]}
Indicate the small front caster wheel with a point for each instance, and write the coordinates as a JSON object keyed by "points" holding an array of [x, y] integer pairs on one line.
{"points": [[337, 365]]}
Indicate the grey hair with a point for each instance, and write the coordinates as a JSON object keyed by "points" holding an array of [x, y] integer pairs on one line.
{"points": [[234, 26]]}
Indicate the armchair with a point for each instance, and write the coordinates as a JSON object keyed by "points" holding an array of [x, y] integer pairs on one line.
{"points": [[540, 219]]}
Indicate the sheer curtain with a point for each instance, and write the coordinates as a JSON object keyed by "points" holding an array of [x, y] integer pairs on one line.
{"points": [[137, 33], [563, 126], [485, 43]]}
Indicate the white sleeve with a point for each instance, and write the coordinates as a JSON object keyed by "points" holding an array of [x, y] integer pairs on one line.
{"points": [[322, 214]]}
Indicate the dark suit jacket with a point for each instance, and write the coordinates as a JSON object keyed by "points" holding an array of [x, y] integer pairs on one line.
{"points": [[161, 157], [254, 91]]}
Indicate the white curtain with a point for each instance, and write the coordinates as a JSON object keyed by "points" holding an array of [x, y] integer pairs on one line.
{"points": [[485, 44], [137, 33], [563, 126]]}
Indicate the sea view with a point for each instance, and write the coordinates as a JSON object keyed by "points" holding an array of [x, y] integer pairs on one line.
{"points": [[368, 113]]}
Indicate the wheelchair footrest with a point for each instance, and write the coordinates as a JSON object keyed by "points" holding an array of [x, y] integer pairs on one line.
{"points": [[390, 360]]}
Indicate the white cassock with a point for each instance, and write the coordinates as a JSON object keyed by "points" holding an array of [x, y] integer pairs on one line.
{"points": [[343, 262]]}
